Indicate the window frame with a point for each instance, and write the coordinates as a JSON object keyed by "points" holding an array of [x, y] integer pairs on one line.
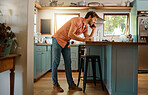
{"points": [[128, 23], [55, 22], [35, 24]]}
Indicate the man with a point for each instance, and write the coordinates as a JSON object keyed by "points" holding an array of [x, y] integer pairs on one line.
{"points": [[61, 44]]}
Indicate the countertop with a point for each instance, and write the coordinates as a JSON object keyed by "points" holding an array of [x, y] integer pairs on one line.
{"points": [[44, 44], [114, 43], [99, 43]]}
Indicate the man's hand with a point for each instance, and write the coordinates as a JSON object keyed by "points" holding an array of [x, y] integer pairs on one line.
{"points": [[87, 39], [94, 27]]}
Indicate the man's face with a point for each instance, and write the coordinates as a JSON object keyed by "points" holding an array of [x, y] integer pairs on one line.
{"points": [[92, 21]]}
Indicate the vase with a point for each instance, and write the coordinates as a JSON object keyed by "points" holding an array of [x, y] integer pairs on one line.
{"points": [[6, 48], [13, 47]]}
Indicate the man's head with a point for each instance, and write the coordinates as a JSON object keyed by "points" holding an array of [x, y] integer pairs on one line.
{"points": [[91, 17]]}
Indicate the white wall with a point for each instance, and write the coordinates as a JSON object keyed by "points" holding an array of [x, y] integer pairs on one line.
{"points": [[49, 14], [16, 16]]}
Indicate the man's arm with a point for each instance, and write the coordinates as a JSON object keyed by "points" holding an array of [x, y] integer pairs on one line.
{"points": [[72, 34]]}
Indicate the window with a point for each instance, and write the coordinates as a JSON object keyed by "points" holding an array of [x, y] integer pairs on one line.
{"points": [[62, 18], [116, 24], [35, 18]]}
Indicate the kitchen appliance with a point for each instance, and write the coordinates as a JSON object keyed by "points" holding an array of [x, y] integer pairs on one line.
{"points": [[143, 28], [94, 4], [143, 37], [82, 3], [53, 3]]}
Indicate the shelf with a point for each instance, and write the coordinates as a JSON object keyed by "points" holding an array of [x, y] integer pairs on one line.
{"points": [[80, 8], [75, 8]]}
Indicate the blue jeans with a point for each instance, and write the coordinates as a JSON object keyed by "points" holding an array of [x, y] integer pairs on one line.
{"points": [[56, 53]]}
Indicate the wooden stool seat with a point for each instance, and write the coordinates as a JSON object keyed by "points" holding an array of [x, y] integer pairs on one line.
{"points": [[86, 61]]}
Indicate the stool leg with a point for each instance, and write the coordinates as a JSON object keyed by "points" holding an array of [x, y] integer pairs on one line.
{"points": [[99, 64], [85, 74], [94, 70], [80, 68]]}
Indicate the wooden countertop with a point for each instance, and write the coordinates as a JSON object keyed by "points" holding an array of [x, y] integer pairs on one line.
{"points": [[114, 43], [10, 56], [99, 43], [42, 44]]}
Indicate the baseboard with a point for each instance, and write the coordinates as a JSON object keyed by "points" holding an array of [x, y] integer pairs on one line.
{"points": [[64, 70], [142, 71], [36, 79]]}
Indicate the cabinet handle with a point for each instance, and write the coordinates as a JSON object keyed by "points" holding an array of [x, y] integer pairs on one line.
{"points": [[38, 48], [42, 53]]}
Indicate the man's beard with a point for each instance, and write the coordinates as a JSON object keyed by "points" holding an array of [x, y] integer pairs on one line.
{"points": [[90, 22]]}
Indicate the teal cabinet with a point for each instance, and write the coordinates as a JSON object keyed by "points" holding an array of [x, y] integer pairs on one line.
{"points": [[119, 67], [37, 65], [42, 60], [95, 50], [142, 4]]}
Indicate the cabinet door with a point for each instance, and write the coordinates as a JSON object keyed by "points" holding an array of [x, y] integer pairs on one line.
{"points": [[74, 52], [49, 60], [142, 4], [49, 57], [38, 64], [44, 62], [74, 64]]}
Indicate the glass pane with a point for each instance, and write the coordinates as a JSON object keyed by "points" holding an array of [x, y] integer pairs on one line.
{"points": [[115, 25], [34, 28], [62, 19], [34, 18]]}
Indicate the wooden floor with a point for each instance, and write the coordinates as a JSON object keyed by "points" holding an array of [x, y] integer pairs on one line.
{"points": [[44, 86], [142, 84]]}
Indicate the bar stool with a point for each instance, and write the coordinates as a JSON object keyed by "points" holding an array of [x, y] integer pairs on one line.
{"points": [[86, 60]]}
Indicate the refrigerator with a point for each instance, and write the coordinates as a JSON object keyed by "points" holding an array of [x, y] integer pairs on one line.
{"points": [[143, 37]]}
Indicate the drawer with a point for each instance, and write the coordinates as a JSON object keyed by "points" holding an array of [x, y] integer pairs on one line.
{"points": [[48, 48], [40, 48]]}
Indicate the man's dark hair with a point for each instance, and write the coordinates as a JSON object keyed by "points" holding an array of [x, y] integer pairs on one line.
{"points": [[92, 14]]}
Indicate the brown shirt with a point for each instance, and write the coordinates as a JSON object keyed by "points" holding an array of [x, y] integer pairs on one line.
{"points": [[62, 34]]}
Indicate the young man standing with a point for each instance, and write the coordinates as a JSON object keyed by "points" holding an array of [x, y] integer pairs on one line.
{"points": [[61, 44]]}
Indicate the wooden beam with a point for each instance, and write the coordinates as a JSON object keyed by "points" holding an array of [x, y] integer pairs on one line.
{"points": [[99, 7]]}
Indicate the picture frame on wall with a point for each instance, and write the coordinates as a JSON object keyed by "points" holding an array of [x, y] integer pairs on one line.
{"points": [[45, 26]]}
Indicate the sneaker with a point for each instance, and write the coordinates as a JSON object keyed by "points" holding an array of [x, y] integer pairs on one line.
{"points": [[57, 88], [74, 87]]}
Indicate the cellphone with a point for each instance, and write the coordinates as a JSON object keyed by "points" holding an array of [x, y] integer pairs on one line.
{"points": [[93, 26]]}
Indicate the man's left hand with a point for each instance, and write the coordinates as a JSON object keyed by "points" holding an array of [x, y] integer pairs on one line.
{"points": [[94, 27]]}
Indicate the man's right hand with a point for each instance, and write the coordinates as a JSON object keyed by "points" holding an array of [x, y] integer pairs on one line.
{"points": [[87, 39]]}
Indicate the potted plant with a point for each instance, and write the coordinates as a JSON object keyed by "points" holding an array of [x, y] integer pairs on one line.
{"points": [[7, 38]]}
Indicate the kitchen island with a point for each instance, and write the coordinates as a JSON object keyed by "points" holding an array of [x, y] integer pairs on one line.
{"points": [[120, 65]]}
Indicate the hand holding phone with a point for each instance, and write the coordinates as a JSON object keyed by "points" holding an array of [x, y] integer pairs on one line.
{"points": [[93, 26]]}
